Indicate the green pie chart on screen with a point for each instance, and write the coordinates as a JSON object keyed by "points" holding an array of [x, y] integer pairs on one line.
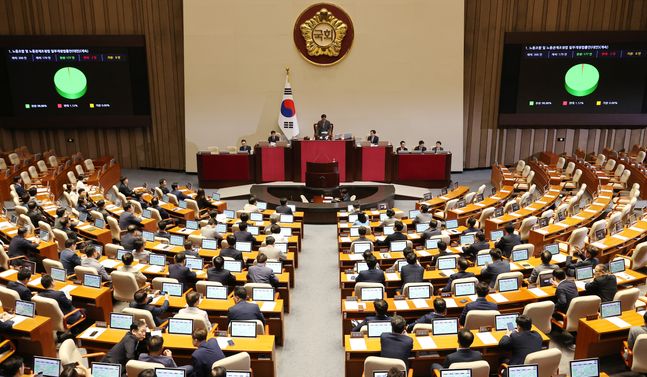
{"points": [[70, 82], [581, 79]]}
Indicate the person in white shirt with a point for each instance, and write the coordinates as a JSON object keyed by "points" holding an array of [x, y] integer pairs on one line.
{"points": [[128, 259], [192, 300], [271, 251], [251, 205], [276, 233], [139, 252]]}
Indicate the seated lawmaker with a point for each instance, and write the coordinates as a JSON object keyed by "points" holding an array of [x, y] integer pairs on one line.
{"points": [[175, 190], [565, 290], [498, 266], [283, 207], [521, 341], [127, 348], [381, 314], [412, 272], [242, 235], [244, 147], [461, 274], [432, 230], [362, 220], [242, 309], [64, 303], [396, 344], [220, 274], [471, 251], [323, 128], [604, 284], [545, 265], [260, 273], [142, 301], [471, 226], [508, 241], [421, 146], [424, 217], [397, 235], [390, 218], [438, 148], [463, 353], [481, 302], [402, 147], [590, 259], [440, 311], [373, 138], [635, 331], [372, 275], [274, 137], [20, 285]]}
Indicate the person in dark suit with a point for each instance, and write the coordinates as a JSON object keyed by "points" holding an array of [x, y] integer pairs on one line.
{"points": [[181, 272], [545, 265], [508, 241], [128, 238], [412, 272], [461, 274], [481, 303], [589, 259], [432, 230], [373, 138], [273, 138], [155, 203], [323, 128], [402, 147], [19, 186], [522, 341], [244, 147], [207, 353], [463, 353], [440, 311], [372, 275], [20, 285], [63, 302], [498, 266], [381, 309], [565, 290], [128, 217], [34, 214], [438, 148], [362, 235], [101, 208], [175, 190], [127, 348], [471, 226], [397, 235], [219, 274], [126, 190], [230, 251], [142, 301], [242, 235], [442, 249], [163, 186], [421, 146], [243, 310], [69, 258], [396, 344], [283, 207], [21, 247], [260, 273], [604, 284], [480, 244]]}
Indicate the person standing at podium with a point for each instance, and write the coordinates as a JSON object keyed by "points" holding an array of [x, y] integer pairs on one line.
{"points": [[373, 138], [323, 128], [274, 138]]}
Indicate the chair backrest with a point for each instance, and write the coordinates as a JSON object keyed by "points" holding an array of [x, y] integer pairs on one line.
{"points": [[155, 214], [8, 298], [24, 220], [42, 225], [422, 326], [134, 367], [4, 258], [475, 280], [405, 289], [547, 360], [449, 205], [612, 220], [578, 237], [137, 206], [600, 224], [115, 230], [80, 272], [469, 197], [249, 287], [560, 163], [198, 320], [141, 314], [159, 281], [42, 166], [610, 165], [201, 286], [627, 298], [49, 263], [526, 171], [640, 348], [521, 164], [577, 175], [60, 237], [25, 177], [69, 353], [71, 177], [479, 318], [173, 199], [526, 226], [359, 286], [639, 256], [192, 204], [53, 161], [48, 307], [304, 199], [441, 237], [124, 286], [599, 161], [528, 246], [581, 307], [240, 361], [20, 210], [479, 368], [625, 176], [3, 164], [570, 168], [122, 198], [381, 364], [619, 170], [13, 157], [508, 275], [89, 166], [540, 313], [486, 214]]}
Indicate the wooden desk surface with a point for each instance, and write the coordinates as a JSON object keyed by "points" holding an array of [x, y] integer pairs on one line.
{"points": [[439, 201], [473, 209], [536, 208]]}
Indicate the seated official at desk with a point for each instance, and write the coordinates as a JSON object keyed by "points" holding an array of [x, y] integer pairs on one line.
{"points": [[274, 220], [69, 258], [21, 247], [402, 147], [126, 190], [390, 218], [127, 217], [244, 147], [283, 207], [471, 226], [207, 353], [143, 301], [421, 146], [209, 231], [565, 290], [635, 331], [590, 259], [424, 217], [155, 203], [127, 259], [260, 273], [189, 250], [481, 303], [440, 311], [219, 274], [362, 220], [323, 128], [128, 239], [175, 190], [372, 137], [508, 241], [157, 353], [242, 309], [362, 236], [480, 243], [91, 260], [251, 205], [412, 272], [271, 251], [397, 235], [14, 366], [461, 274], [521, 341], [20, 285], [438, 148], [545, 265], [140, 253], [463, 353], [604, 284], [442, 249], [126, 349], [181, 272], [274, 137], [64, 303], [230, 251], [381, 309], [34, 213], [163, 186], [396, 344], [372, 275], [490, 271], [432, 230], [161, 230], [192, 300]]}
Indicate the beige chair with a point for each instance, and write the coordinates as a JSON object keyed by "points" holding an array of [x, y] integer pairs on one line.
{"points": [[580, 307], [526, 226], [79, 170], [639, 364], [60, 237], [620, 169], [42, 166], [359, 286], [201, 286], [53, 161], [8, 298], [3, 164], [195, 239], [71, 177], [525, 246], [48, 307], [639, 256], [124, 286], [24, 220], [600, 159], [521, 165], [46, 227], [141, 315], [159, 281], [49, 263], [485, 214], [469, 197], [155, 214], [570, 168], [479, 368], [382, 364], [352, 245], [5, 260], [508, 275], [443, 237], [548, 361], [627, 298], [480, 318], [14, 159], [405, 289], [89, 165], [240, 361], [80, 271], [612, 220], [475, 280], [110, 250], [137, 206], [640, 157], [121, 199], [576, 241], [598, 225], [573, 184], [115, 230], [610, 165], [173, 199], [622, 182], [249, 287], [260, 328], [134, 367], [69, 353], [304, 199], [192, 204], [423, 326], [96, 215], [449, 205], [561, 162], [198, 321], [540, 313]]}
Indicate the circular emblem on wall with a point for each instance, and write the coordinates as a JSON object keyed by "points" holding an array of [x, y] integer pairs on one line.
{"points": [[323, 34]]}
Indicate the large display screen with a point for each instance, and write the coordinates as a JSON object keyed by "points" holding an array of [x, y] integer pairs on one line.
{"points": [[73, 81], [574, 79]]}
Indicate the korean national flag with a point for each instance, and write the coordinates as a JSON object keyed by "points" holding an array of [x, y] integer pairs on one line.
{"points": [[288, 113]]}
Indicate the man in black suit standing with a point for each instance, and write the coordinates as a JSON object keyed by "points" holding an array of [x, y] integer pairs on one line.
{"points": [[64, 303], [273, 138], [480, 244], [373, 138], [481, 303], [498, 266], [522, 341], [20, 285], [565, 290], [323, 128], [604, 284], [181, 272], [243, 310], [508, 241], [396, 344], [463, 353], [372, 275]]}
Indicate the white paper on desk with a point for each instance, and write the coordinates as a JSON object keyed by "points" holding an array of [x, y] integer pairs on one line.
{"points": [[84, 226], [5, 224], [401, 304], [578, 217], [541, 202], [623, 276], [496, 221], [443, 197], [562, 225], [12, 232], [109, 263], [7, 273], [472, 297], [621, 238], [599, 245], [268, 306], [17, 319], [259, 223], [392, 276], [355, 257], [223, 341], [538, 292], [420, 303], [426, 342], [450, 302], [344, 225], [589, 210], [350, 305], [156, 333], [423, 253], [618, 322], [498, 297], [357, 344], [221, 218], [541, 231], [345, 239], [154, 268], [458, 210], [514, 266], [559, 258], [447, 273], [515, 215], [160, 299], [579, 284], [96, 330], [486, 338], [139, 266], [34, 282]]}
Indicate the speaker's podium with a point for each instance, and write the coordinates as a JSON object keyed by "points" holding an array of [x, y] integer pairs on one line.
{"points": [[322, 175]]}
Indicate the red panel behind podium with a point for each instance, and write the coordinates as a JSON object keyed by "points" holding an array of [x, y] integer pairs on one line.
{"points": [[374, 164], [323, 151], [273, 160]]}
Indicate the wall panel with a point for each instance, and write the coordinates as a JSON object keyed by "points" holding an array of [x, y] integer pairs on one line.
{"points": [[485, 24], [161, 145]]}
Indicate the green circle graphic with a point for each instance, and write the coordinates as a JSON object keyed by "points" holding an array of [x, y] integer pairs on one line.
{"points": [[70, 83], [581, 79]]}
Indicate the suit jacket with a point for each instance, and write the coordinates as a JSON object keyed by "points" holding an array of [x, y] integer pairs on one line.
{"points": [[245, 148], [273, 139], [462, 355], [470, 230], [272, 252], [427, 318], [20, 190], [156, 311], [492, 270], [126, 190], [207, 353], [91, 262], [284, 210], [323, 125], [128, 218], [571, 267], [128, 240], [231, 253], [541, 268], [437, 149], [454, 276], [63, 302], [604, 286], [20, 246], [633, 334], [565, 292], [223, 277], [262, 274], [507, 242], [370, 319], [244, 236], [35, 216], [69, 259], [123, 351], [473, 249], [183, 275], [245, 311], [163, 213], [371, 276], [23, 291], [396, 236], [168, 362], [423, 218], [396, 346], [431, 232], [480, 304], [179, 195], [521, 344], [374, 139], [411, 273]]}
